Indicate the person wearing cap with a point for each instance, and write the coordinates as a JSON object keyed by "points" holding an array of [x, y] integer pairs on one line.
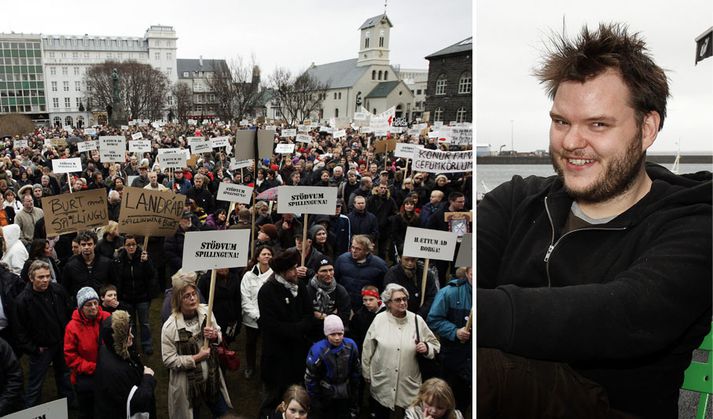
{"points": [[312, 257], [179, 184], [326, 295], [173, 246], [333, 371], [143, 179], [43, 310], [319, 235], [81, 347], [267, 236], [286, 318]]}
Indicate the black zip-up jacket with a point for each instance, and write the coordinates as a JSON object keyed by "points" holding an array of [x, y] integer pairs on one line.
{"points": [[76, 274], [41, 317], [134, 279], [624, 303]]}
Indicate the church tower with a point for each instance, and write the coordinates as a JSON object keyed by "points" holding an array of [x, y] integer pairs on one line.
{"points": [[374, 41]]}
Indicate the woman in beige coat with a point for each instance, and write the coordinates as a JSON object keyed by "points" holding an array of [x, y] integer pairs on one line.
{"points": [[388, 359], [195, 376]]}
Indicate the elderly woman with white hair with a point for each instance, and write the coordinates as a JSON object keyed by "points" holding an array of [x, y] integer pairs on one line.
{"points": [[389, 356]]}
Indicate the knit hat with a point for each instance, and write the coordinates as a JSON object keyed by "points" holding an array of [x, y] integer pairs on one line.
{"points": [[270, 230], [86, 294], [314, 230], [285, 260], [36, 186], [325, 261], [333, 324]]}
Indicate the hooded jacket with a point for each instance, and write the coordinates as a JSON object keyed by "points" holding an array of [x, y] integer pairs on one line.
{"points": [[81, 343], [624, 303], [15, 251]]}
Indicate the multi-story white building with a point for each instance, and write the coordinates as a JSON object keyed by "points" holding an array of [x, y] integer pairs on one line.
{"points": [[416, 80], [67, 57]]}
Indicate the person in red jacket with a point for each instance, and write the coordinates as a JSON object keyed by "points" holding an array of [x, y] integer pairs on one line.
{"points": [[81, 346]]}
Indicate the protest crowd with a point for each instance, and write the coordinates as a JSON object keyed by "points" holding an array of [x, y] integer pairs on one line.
{"points": [[337, 318]]}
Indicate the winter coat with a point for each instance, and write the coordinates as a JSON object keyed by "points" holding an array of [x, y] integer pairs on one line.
{"points": [[635, 289], [16, 253], [398, 224], [135, 280], [364, 223], [449, 312], [116, 375], [360, 323], [285, 322], [10, 380], [354, 276], [108, 248], [333, 372], [341, 229], [397, 275], [41, 317], [212, 223], [249, 287], [383, 207], [337, 302], [226, 304], [178, 407], [203, 198], [26, 221], [389, 358], [173, 247], [77, 275], [81, 343]]}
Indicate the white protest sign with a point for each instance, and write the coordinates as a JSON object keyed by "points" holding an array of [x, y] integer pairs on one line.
{"points": [[380, 133], [429, 244], [239, 164], [67, 165], [244, 122], [137, 136], [284, 148], [90, 131], [56, 409], [174, 160], [437, 124], [360, 116], [234, 193], [204, 250], [132, 123], [303, 138], [433, 134], [124, 127], [302, 128], [461, 135], [19, 144], [465, 253], [218, 142], [87, 146], [139, 146], [198, 147], [405, 150], [288, 133], [307, 200], [326, 129], [340, 133], [191, 122], [366, 130], [432, 161], [194, 140], [445, 134], [168, 150], [414, 132], [112, 149], [270, 128]]}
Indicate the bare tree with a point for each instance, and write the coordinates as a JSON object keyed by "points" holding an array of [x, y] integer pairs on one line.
{"points": [[299, 96], [183, 94], [15, 124], [142, 88], [236, 88]]}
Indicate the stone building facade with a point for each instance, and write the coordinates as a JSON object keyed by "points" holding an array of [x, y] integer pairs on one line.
{"points": [[449, 93]]}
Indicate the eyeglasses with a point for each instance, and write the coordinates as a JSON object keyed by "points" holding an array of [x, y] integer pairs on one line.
{"points": [[190, 296], [399, 300]]}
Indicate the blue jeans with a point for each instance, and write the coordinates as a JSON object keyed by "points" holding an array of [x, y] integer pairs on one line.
{"points": [[39, 364], [217, 408], [142, 311]]}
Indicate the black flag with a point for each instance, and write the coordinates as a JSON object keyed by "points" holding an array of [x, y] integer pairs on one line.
{"points": [[704, 45]]}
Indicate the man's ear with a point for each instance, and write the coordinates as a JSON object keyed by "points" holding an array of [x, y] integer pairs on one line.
{"points": [[649, 129]]}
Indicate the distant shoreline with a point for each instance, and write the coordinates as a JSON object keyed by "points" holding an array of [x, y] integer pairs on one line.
{"points": [[656, 158]]}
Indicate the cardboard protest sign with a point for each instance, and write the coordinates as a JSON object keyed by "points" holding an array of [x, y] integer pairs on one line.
{"points": [[432, 161], [303, 138], [70, 212], [307, 200], [288, 133], [67, 165], [150, 213], [239, 164], [19, 144], [56, 409], [284, 148], [58, 142], [137, 136], [465, 252], [384, 146], [461, 136], [200, 147], [429, 244], [87, 146], [234, 193], [339, 134], [245, 144], [175, 160], [112, 149], [265, 142], [140, 146], [218, 142], [204, 250], [405, 150]]}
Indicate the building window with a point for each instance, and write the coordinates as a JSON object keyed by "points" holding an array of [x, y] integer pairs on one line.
{"points": [[76, 71], [54, 86], [418, 91], [340, 95], [157, 56], [77, 86], [381, 41], [65, 86], [169, 56], [379, 74], [465, 84], [57, 121], [68, 121], [78, 101], [65, 71], [373, 74], [335, 95], [441, 83], [460, 114], [366, 41], [53, 71], [67, 102], [336, 112], [185, 74], [55, 102], [386, 75], [438, 114]]}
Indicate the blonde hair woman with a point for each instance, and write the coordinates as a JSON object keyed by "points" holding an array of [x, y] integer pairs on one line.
{"points": [[434, 401]]}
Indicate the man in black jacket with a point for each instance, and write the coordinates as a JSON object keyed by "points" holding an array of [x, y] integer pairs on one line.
{"points": [[201, 195], [409, 274], [88, 268], [173, 246], [43, 311], [10, 380], [594, 285]]}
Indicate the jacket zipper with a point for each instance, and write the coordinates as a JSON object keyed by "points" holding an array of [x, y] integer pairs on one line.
{"points": [[554, 243]]}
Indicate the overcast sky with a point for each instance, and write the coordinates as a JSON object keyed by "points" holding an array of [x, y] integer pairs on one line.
{"points": [[285, 33], [509, 36]]}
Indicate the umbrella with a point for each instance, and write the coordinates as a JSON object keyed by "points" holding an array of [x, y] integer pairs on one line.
{"points": [[73, 140], [268, 195]]}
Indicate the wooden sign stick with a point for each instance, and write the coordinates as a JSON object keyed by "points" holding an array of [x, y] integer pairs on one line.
{"points": [[423, 281], [304, 239], [211, 298]]}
